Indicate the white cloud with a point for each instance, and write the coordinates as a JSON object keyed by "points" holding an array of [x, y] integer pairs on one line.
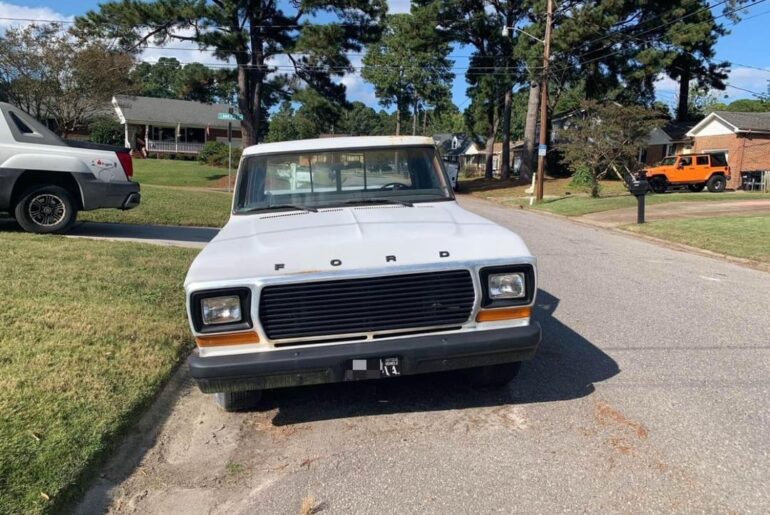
{"points": [[26, 15]]}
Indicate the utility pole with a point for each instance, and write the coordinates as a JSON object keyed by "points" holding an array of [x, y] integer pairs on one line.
{"points": [[543, 147]]}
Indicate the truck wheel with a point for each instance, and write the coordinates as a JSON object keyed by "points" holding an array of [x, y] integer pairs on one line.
{"points": [[695, 188], [717, 184], [493, 375], [658, 184], [238, 401], [46, 210]]}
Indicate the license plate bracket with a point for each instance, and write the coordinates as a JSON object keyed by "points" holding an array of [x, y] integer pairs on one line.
{"points": [[372, 368]]}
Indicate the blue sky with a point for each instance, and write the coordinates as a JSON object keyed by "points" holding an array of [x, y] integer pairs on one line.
{"points": [[746, 47]]}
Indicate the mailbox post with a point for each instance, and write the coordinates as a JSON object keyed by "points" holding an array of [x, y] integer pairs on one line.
{"points": [[639, 188]]}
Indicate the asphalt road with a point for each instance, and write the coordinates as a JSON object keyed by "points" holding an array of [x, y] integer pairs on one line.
{"points": [[650, 393]]}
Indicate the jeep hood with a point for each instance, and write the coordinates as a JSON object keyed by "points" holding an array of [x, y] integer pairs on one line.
{"points": [[336, 239]]}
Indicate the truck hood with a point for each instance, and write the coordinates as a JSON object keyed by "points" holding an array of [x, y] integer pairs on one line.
{"points": [[344, 239]]}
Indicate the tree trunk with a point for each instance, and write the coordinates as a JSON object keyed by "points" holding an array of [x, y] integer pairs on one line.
{"points": [[505, 156], [414, 119], [398, 120], [684, 94], [530, 132], [493, 120], [425, 123]]}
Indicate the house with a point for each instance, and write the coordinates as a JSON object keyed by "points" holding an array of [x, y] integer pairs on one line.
{"points": [[669, 140], [170, 126], [744, 138], [473, 159], [451, 146]]}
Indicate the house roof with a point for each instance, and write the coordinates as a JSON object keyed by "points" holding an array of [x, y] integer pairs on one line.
{"points": [[738, 122], [168, 111], [677, 131], [355, 142]]}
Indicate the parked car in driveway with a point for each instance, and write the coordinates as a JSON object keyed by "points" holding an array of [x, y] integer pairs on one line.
{"points": [[348, 259], [45, 180], [696, 171]]}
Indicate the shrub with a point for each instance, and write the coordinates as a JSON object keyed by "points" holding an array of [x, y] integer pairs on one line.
{"points": [[215, 153], [106, 130]]}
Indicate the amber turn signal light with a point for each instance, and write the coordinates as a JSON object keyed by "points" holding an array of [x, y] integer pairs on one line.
{"points": [[219, 340], [493, 315]]}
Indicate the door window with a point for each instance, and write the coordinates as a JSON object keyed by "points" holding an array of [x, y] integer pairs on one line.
{"points": [[702, 160]]}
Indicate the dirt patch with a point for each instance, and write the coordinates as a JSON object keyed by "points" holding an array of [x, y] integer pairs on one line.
{"points": [[607, 415]]}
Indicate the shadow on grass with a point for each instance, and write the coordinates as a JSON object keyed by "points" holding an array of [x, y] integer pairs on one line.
{"points": [[565, 367]]}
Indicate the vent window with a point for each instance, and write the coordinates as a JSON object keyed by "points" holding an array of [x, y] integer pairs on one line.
{"points": [[23, 127]]}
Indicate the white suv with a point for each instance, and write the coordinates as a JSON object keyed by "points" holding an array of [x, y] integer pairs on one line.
{"points": [[347, 259]]}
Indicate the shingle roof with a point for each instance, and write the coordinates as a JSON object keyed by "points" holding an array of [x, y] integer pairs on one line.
{"points": [[677, 131], [170, 111], [746, 121]]}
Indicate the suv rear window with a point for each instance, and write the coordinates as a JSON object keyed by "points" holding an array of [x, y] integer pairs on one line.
{"points": [[718, 160]]}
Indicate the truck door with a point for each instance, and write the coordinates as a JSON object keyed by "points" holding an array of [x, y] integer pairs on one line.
{"points": [[684, 170]]}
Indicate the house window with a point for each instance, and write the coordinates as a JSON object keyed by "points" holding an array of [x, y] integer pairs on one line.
{"points": [[455, 143]]}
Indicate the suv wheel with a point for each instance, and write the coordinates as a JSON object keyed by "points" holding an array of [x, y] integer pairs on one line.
{"points": [[46, 210], [238, 401], [717, 184], [658, 184], [695, 188], [493, 375]]}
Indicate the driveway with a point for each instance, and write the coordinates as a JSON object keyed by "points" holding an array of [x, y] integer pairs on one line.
{"points": [[678, 210], [168, 235], [650, 393]]}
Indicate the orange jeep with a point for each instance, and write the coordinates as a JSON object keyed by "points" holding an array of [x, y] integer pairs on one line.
{"points": [[695, 171]]}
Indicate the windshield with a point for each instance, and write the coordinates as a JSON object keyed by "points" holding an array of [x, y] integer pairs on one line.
{"points": [[668, 161], [322, 179]]}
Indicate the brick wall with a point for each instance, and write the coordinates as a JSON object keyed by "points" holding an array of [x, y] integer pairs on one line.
{"points": [[746, 152]]}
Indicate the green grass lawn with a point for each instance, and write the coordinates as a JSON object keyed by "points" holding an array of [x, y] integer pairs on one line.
{"points": [[741, 236], [564, 199], [168, 172], [89, 331], [170, 206]]}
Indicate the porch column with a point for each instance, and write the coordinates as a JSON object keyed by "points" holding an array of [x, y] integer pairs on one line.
{"points": [[125, 132], [146, 140]]}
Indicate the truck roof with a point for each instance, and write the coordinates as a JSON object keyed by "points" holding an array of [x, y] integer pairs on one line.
{"points": [[348, 142]]}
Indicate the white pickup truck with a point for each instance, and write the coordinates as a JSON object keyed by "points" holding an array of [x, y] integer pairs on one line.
{"points": [[45, 180], [347, 259]]}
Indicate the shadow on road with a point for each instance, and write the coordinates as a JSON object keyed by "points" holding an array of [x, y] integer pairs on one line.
{"points": [[566, 367]]}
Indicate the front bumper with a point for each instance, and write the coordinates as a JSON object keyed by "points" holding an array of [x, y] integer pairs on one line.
{"points": [[326, 364]]}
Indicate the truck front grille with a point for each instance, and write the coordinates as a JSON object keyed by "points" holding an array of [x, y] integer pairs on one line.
{"points": [[372, 304]]}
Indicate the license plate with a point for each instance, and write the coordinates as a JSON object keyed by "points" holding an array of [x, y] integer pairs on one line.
{"points": [[372, 368]]}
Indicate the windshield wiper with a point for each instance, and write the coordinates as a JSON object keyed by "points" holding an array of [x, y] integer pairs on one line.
{"points": [[281, 206], [378, 201]]}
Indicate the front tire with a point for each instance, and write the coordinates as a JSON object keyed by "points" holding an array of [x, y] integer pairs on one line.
{"points": [[717, 184], [46, 210], [658, 184], [493, 376], [238, 401]]}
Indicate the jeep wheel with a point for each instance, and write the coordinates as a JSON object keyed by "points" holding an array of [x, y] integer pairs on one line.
{"points": [[695, 188], [493, 375], [238, 401], [717, 184], [46, 210], [658, 184]]}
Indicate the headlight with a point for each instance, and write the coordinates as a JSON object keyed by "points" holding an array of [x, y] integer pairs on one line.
{"points": [[507, 286], [221, 310]]}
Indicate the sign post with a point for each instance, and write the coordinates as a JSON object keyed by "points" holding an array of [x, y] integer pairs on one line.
{"points": [[230, 117]]}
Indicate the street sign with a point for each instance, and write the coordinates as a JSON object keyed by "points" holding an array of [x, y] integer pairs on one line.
{"points": [[233, 117], [542, 150]]}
